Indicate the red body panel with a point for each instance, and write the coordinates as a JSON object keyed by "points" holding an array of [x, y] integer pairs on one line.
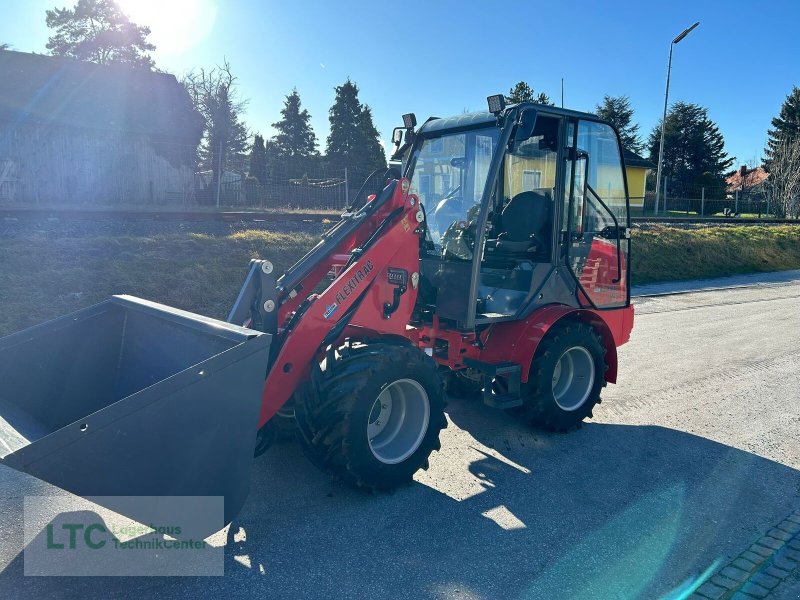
{"points": [[516, 341]]}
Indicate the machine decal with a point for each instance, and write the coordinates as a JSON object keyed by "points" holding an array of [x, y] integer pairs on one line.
{"points": [[330, 309], [352, 283], [397, 276]]}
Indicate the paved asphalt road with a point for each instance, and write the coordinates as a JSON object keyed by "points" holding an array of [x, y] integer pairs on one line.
{"points": [[690, 458]]}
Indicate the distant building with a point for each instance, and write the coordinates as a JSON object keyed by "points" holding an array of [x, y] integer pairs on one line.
{"points": [[748, 181], [636, 169], [78, 133]]}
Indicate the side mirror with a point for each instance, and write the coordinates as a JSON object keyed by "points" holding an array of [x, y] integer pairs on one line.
{"points": [[400, 135], [525, 124]]}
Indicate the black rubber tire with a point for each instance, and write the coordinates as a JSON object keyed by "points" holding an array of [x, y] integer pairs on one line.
{"points": [[540, 408], [458, 385], [285, 422], [265, 437], [333, 414]]}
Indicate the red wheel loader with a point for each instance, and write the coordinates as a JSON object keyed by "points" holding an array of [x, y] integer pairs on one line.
{"points": [[495, 264]]}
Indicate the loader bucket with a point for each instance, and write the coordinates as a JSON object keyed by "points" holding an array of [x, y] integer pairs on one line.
{"points": [[133, 398]]}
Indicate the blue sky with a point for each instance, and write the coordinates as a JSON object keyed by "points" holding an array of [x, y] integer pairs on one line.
{"points": [[443, 57]]}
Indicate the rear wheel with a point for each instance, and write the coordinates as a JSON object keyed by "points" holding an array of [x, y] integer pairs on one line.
{"points": [[566, 378], [375, 415]]}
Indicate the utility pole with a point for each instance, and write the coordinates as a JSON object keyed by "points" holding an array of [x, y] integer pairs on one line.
{"points": [[702, 201], [677, 39], [346, 189], [219, 172]]}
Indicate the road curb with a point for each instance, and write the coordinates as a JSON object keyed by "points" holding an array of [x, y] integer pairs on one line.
{"points": [[789, 276], [759, 569]]}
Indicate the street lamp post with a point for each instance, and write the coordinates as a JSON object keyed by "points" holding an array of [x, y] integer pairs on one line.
{"points": [[677, 39]]}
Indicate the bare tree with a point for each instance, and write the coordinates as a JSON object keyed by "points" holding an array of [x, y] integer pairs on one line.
{"points": [[784, 178], [215, 97]]}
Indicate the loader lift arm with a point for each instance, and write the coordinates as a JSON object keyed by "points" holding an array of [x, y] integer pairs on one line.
{"points": [[360, 252]]}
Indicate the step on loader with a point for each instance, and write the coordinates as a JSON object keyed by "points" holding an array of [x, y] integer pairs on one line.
{"points": [[492, 260]]}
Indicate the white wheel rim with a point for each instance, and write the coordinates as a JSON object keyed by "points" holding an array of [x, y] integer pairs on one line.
{"points": [[398, 421], [573, 378]]}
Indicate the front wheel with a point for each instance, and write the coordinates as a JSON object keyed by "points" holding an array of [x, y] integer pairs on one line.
{"points": [[566, 378], [374, 418]]}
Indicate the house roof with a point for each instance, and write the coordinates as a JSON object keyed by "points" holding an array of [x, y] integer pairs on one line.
{"points": [[751, 179], [49, 90], [634, 160]]}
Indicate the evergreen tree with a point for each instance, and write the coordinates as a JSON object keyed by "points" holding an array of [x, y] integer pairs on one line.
{"points": [[295, 142], [344, 139], [354, 142], [522, 92], [275, 168], [694, 150], [374, 153], [785, 127], [617, 111], [98, 31], [258, 160]]}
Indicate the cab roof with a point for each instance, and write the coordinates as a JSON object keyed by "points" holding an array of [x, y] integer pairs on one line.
{"points": [[485, 118]]}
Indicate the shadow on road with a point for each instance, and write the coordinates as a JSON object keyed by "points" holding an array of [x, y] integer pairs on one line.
{"points": [[504, 512]]}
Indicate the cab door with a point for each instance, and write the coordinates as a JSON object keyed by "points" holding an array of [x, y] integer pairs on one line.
{"points": [[595, 226]]}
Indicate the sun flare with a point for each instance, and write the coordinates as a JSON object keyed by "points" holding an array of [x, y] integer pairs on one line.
{"points": [[176, 25]]}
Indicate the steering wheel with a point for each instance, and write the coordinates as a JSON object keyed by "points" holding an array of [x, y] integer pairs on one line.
{"points": [[459, 239]]}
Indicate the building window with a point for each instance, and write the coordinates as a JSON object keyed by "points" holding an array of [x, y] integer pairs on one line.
{"points": [[444, 185], [424, 187], [531, 180]]}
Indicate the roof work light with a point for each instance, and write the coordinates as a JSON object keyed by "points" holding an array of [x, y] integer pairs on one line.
{"points": [[496, 103]]}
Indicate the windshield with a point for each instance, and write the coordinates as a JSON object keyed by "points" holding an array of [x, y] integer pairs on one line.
{"points": [[449, 173]]}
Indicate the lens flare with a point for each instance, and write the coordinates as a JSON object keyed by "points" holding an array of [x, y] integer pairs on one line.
{"points": [[176, 25]]}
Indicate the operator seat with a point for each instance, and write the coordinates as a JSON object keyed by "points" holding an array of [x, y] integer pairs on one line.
{"points": [[524, 225]]}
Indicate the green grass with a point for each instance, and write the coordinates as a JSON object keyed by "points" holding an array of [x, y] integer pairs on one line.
{"points": [[44, 276], [663, 253]]}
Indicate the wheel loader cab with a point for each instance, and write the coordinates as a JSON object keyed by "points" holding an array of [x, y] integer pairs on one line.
{"points": [[511, 198], [518, 249]]}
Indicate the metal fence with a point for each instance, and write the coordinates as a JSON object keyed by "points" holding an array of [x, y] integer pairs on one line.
{"points": [[291, 194], [322, 192], [704, 202], [318, 191], [84, 169]]}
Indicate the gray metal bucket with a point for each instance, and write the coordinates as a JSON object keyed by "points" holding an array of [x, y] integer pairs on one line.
{"points": [[133, 398]]}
